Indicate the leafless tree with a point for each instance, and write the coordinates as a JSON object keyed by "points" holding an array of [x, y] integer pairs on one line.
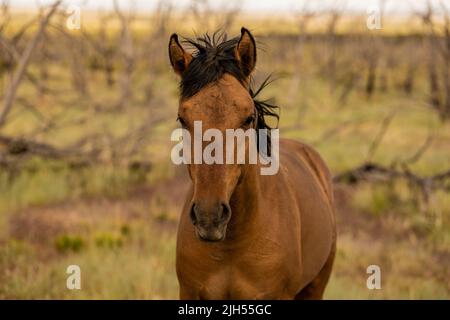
{"points": [[438, 53], [299, 79], [22, 65], [445, 53], [428, 22], [212, 19], [158, 34], [127, 54], [104, 48]]}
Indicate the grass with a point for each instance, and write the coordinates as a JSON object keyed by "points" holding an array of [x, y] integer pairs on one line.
{"points": [[402, 274], [128, 272], [122, 253], [125, 250]]}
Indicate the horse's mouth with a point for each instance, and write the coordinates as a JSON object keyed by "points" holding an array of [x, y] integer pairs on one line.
{"points": [[210, 234]]}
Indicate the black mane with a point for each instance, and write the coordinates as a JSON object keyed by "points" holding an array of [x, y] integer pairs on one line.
{"points": [[212, 58]]}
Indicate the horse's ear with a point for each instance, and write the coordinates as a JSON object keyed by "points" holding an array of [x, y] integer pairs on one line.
{"points": [[246, 52], [179, 59]]}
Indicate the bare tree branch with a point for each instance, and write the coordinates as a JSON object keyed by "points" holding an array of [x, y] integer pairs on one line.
{"points": [[375, 172], [23, 63], [382, 131]]}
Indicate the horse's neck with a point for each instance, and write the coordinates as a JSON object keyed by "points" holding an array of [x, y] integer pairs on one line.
{"points": [[245, 203]]}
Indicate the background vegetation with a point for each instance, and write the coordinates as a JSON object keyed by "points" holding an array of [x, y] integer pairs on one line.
{"points": [[85, 123]]}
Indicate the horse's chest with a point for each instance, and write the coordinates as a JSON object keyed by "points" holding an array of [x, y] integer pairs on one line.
{"points": [[245, 277], [230, 283]]}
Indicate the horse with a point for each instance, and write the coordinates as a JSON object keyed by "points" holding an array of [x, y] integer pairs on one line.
{"points": [[243, 235]]}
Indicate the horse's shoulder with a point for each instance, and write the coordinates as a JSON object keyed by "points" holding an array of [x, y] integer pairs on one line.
{"points": [[313, 160]]}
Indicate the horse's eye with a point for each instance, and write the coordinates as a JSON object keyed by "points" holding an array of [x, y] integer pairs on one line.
{"points": [[182, 122], [248, 121]]}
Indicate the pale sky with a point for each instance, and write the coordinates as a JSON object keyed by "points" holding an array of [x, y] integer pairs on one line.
{"points": [[280, 6]]}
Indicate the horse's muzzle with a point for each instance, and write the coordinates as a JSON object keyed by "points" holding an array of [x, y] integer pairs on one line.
{"points": [[210, 223]]}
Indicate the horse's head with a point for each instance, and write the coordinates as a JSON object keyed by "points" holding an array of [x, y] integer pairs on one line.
{"points": [[215, 91]]}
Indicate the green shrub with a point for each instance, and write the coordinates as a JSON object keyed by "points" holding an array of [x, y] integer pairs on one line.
{"points": [[66, 243], [106, 240]]}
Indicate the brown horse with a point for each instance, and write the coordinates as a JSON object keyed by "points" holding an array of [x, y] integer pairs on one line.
{"points": [[243, 235]]}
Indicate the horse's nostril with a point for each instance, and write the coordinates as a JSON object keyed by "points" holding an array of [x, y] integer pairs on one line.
{"points": [[225, 212], [193, 215], [216, 215]]}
